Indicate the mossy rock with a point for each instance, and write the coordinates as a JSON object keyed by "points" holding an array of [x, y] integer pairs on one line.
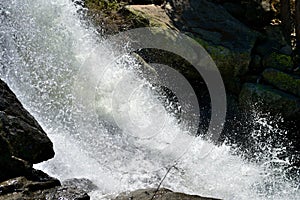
{"points": [[278, 61], [154, 14], [111, 17], [270, 100], [283, 81], [104, 5], [231, 64]]}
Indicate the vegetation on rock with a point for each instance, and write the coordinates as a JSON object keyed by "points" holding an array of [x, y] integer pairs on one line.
{"points": [[278, 61], [283, 81]]}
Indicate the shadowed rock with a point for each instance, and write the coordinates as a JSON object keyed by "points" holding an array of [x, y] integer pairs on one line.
{"points": [[283, 81], [23, 141], [270, 99]]}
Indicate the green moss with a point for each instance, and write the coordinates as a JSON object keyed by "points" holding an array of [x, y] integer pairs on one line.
{"points": [[141, 16], [108, 5], [230, 64], [282, 81], [139, 19], [278, 61], [282, 59]]}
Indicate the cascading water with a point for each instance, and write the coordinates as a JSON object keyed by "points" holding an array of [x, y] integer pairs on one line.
{"points": [[44, 46]]}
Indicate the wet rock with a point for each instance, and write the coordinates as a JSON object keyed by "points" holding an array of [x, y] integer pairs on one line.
{"points": [[39, 186], [210, 19], [227, 40], [83, 184], [269, 99], [65, 193], [21, 184], [283, 81], [34, 180], [9, 166], [23, 141], [24, 135], [162, 194], [278, 61], [145, 68]]}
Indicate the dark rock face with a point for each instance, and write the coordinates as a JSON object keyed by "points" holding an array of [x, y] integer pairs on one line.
{"points": [[36, 180], [62, 193], [39, 186], [213, 23], [227, 40], [270, 100], [83, 184], [9, 166], [23, 141], [278, 61], [283, 81], [255, 14], [241, 54], [162, 194]]}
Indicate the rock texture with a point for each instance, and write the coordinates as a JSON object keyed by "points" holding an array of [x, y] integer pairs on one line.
{"points": [[162, 194], [228, 41], [23, 141], [230, 51], [9, 166], [37, 187], [283, 81], [258, 66], [37, 180], [156, 15], [243, 55], [278, 61], [82, 184], [269, 99]]}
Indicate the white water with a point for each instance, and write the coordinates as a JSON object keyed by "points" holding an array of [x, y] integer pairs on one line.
{"points": [[44, 49]]}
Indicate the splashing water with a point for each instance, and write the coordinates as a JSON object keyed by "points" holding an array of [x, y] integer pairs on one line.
{"points": [[44, 47]]}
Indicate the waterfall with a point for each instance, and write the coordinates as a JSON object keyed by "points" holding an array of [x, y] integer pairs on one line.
{"points": [[46, 52]]}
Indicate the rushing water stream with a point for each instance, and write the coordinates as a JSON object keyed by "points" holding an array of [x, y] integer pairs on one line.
{"points": [[43, 48]]}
